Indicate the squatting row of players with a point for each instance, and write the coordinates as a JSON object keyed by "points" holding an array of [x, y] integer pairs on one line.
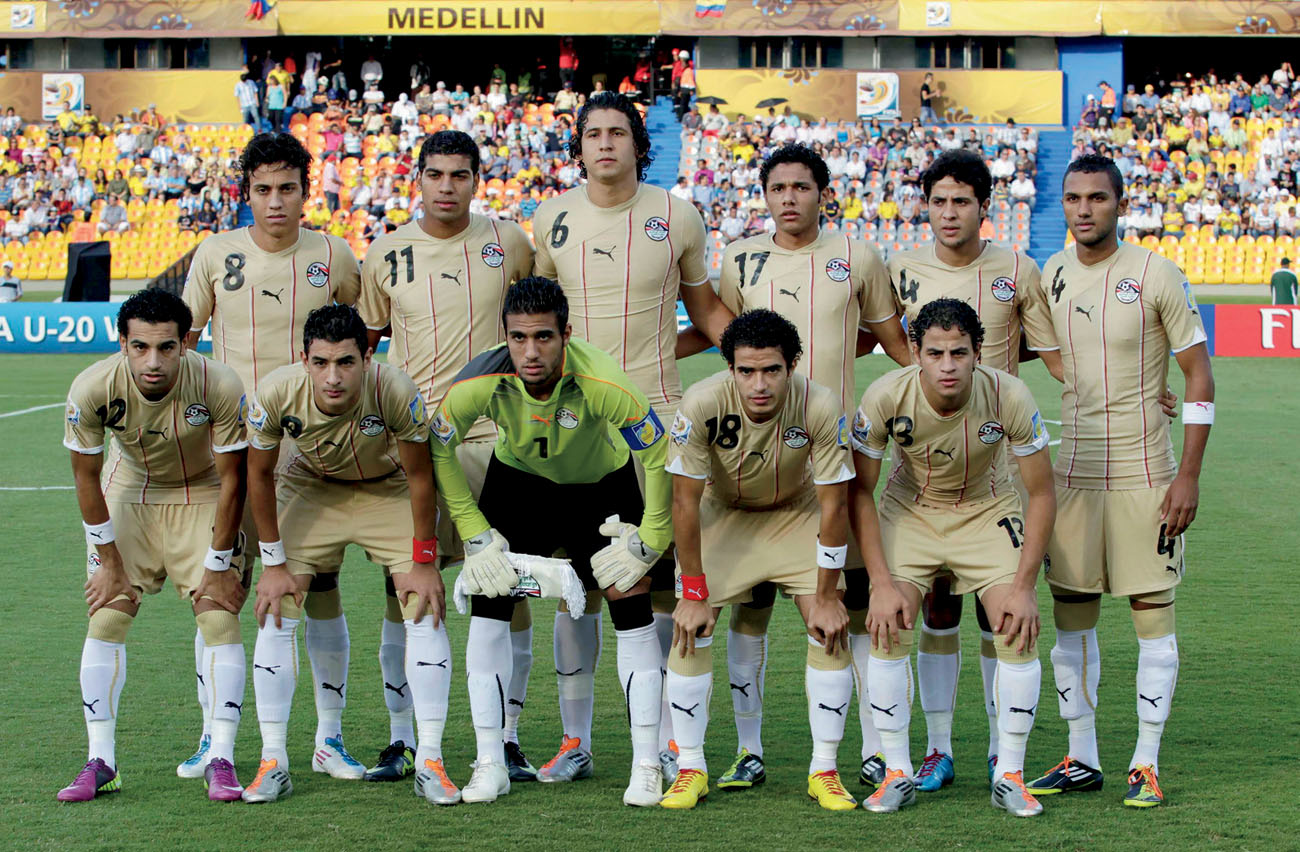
{"points": [[556, 424]]}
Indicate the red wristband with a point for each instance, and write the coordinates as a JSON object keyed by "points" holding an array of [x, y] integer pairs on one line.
{"points": [[694, 588], [424, 552]]}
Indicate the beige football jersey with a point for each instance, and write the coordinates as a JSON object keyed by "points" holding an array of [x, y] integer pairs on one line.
{"points": [[752, 465], [621, 268], [828, 289], [358, 444], [1001, 285], [1117, 322], [162, 449], [443, 298], [258, 301], [953, 460]]}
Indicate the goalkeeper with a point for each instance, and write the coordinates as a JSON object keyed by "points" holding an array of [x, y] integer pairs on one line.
{"points": [[567, 417]]}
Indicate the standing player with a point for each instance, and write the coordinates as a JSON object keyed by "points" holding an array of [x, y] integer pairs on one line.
{"points": [[1002, 286], [175, 485], [834, 289], [435, 286], [556, 477], [1119, 310], [359, 473], [949, 504], [760, 458], [623, 252], [257, 285]]}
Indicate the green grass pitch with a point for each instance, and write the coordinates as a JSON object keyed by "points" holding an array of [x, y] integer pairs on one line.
{"points": [[1223, 763]]}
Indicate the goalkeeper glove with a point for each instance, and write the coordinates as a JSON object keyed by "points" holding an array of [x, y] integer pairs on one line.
{"points": [[625, 560], [487, 568]]}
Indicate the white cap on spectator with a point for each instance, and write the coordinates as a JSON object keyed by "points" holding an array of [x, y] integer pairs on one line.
{"points": [[8, 264]]}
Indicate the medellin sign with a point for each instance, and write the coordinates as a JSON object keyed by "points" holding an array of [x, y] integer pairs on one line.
{"points": [[460, 18]]}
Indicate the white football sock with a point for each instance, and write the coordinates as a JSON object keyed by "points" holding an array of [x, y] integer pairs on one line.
{"points": [[224, 668], [688, 701], [328, 648], [860, 648], [664, 631], [641, 676], [103, 674], [576, 644], [1017, 687], [430, 684], [488, 663], [746, 669], [889, 683], [1076, 665], [521, 647], [1157, 676], [936, 679], [988, 670], [275, 674], [829, 695], [397, 686], [199, 679]]}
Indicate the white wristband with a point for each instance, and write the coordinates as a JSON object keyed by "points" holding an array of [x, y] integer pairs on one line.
{"points": [[832, 558], [272, 552], [99, 533], [1198, 413], [218, 560]]}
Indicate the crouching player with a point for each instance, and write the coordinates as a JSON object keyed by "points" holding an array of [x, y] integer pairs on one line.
{"points": [[760, 458], [949, 505], [175, 486], [557, 473], [360, 473]]}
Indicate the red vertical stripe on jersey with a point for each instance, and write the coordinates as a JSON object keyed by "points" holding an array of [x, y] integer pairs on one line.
{"points": [[582, 274], [1142, 373], [627, 288], [379, 406], [1105, 380], [850, 335], [997, 412], [293, 304], [469, 301], [252, 332], [1074, 369], [144, 456], [433, 315], [811, 275], [928, 470], [352, 445], [329, 267], [663, 291], [180, 451], [965, 451], [979, 289]]}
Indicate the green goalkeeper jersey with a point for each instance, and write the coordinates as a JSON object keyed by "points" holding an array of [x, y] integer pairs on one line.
{"points": [[584, 431]]}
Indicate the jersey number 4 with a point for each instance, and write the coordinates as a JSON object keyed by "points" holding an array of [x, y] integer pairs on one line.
{"points": [[907, 290], [759, 258], [391, 257]]}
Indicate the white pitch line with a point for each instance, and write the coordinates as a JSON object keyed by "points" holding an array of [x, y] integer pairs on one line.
{"points": [[1055, 443], [38, 487], [30, 410], [1053, 422]]}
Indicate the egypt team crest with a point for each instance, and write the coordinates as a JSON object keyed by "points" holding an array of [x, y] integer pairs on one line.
{"points": [[566, 418], [372, 425], [1128, 291], [991, 432], [1004, 289], [318, 274], [197, 414], [795, 437], [837, 269], [493, 255], [656, 228]]}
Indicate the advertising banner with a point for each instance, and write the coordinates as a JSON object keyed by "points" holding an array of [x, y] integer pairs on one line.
{"points": [[1262, 331], [877, 94], [60, 91], [468, 17], [194, 96]]}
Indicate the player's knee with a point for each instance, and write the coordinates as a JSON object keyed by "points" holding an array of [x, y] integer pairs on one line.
{"points": [[1076, 612], [749, 620], [219, 627], [324, 602], [857, 621], [631, 612], [1008, 653], [693, 665], [898, 650], [522, 618], [857, 592], [822, 661], [663, 600], [762, 596], [392, 609], [1153, 614], [939, 641], [982, 617], [109, 625], [942, 611], [289, 608]]}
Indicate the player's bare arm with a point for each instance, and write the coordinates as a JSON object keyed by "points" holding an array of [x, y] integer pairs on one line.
{"points": [[890, 335], [424, 580], [1181, 500], [691, 618], [889, 609], [708, 314], [225, 589], [109, 580], [826, 617], [276, 581], [691, 341], [1013, 608]]}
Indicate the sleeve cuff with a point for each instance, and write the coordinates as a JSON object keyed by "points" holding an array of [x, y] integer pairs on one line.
{"points": [[888, 316], [230, 448], [704, 280], [376, 327], [1198, 337], [1043, 348], [259, 445], [676, 467], [868, 452], [85, 451], [1028, 449], [844, 475]]}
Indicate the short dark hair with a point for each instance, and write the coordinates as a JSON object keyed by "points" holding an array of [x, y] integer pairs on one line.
{"points": [[962, 166], [536, 295], [795, 153], [761, 329], [947, 313], [270, 149], [1091, 164], [640, 136], [335, 324], [451, 142], [155, 307]]}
